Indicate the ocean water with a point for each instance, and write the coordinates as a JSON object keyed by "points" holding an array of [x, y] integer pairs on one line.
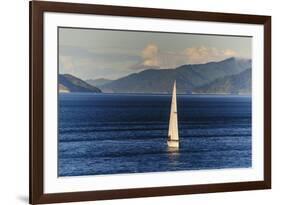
{"points": [[127, 133]]}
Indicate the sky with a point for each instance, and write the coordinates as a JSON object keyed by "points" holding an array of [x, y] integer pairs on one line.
{"points": [[111, 54]]}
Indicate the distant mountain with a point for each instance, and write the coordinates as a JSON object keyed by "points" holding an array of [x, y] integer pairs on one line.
{"points": [[98, 82], [63, 89], [70, 83], [188, 77], [240, 83]]}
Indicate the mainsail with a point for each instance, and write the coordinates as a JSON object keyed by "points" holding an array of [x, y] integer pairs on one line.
{"points": [[173, 134]]}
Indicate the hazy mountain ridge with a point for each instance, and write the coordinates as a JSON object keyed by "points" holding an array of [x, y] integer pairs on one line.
{"points": [[70, 83], [188, 77], [98, 82], [240, 83]]}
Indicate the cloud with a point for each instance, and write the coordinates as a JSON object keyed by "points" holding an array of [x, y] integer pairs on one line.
{"points": [[153, 57], [204, 54], [115, 63], [150, 55]]}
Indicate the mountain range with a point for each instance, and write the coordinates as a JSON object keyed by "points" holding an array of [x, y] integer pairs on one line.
{"points": [[98, 82], [230, 76], [240, 83], [70, 83], [188, 77]]}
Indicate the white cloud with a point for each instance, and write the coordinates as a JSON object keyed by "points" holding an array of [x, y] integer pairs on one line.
{"points": [[150, 55], [153, 57], [204, 54]]}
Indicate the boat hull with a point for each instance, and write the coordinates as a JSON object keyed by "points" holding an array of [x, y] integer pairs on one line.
{"points": [[173, 143]]}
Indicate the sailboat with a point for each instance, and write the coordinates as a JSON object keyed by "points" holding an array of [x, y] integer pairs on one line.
{"points": [[173, 134]]}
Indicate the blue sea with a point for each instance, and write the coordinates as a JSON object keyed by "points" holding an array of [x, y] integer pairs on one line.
{"points": [[127, 133]]}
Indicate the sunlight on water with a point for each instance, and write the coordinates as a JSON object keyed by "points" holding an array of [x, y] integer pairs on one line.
{"points": [[173, 150], [173, 154]]}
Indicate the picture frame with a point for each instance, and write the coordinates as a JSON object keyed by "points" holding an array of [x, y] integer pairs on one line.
{"points": [[37, 141]]}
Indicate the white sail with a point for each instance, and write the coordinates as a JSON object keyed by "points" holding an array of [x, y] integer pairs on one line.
{"points": [[173, 134]]}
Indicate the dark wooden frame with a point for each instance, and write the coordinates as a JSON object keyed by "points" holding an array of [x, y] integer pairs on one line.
{"points": [[37, 8]]}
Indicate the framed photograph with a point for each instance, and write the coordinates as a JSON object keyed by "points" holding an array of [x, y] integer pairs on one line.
{"points": [[138, 102]]}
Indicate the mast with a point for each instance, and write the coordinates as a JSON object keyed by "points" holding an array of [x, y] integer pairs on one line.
{"points": [[173, 134]]}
